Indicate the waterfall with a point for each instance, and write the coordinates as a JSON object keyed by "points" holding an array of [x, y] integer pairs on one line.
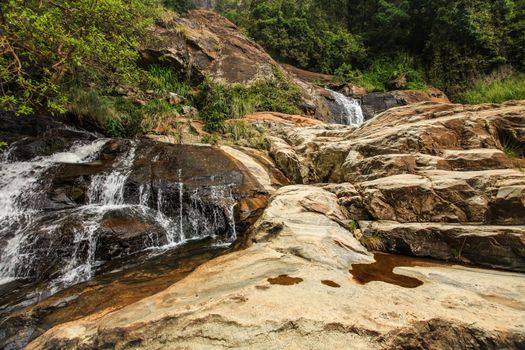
{"points": [[349, 110], [31, 233], [20, 190]]}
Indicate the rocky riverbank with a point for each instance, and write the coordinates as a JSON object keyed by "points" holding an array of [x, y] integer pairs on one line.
{"points": [[429, 180]]}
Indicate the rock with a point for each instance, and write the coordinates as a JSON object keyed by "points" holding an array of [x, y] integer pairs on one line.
{"points": [[415, 96], [205, 44], [281, 291], [426, 163], [271, 118], [34, 136], [501, 247], [377, 102], [175, 99]]}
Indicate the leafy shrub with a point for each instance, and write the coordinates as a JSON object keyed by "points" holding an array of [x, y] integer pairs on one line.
{"points": [[180, 6], [163, 79], [3, 146], [218, 102], [245, 134], [116, 116], [385, 74]]}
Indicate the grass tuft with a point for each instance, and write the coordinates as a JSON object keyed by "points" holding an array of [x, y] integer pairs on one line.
{"points": [[496, 91]]}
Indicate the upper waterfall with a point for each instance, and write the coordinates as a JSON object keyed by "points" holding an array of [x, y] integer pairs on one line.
{"points": [[349, 110]]}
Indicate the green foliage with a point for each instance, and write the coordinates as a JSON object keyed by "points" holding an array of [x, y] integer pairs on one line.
{"points": [[115, 116], [162, 79], [3, 146], [296, 32], [244, 134], [385, 74], [45, 44], [452, 42], [218, 102], [495, 91], [180, 6], [468, 38]]}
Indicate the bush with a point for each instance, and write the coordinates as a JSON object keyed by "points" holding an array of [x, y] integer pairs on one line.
{"points": [[218, 102], [3, 146], [495, 91], [385, 74], [180, 6], [244, 134], [46, 43], [163, 79]]}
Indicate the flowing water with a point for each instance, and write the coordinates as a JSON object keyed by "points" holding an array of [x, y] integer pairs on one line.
{"points": [[348, 110], [30, 232]]}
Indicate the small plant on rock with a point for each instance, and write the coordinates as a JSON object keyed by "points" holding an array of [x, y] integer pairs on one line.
{"points": [[3, 146]]}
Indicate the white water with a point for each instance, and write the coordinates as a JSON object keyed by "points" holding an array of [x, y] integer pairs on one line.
{"points": [[208, 210], [351, 112], [20, 188]]}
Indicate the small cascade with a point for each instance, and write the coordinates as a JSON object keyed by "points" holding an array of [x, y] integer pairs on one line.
{"points": [[20, 190], [348, 110], [73, 237], [108, 189]]}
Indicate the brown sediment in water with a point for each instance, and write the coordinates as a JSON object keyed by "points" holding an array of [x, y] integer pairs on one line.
{"points": [[330, 284], [285, 280], [383, 270]]}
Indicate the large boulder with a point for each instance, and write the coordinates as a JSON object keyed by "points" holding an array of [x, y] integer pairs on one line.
{"points": [[203, 44]]}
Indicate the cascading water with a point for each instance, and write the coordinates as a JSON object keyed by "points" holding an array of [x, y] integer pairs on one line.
{"points": [[20, 184], [349, 110], [29, 232]]}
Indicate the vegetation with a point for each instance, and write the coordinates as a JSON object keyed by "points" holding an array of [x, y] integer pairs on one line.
{"points": [[46, 46], [217, 102], [373, 243], [179, 6], [245, 134], [3, 146], [81, 56], [385, 44], [117, 116], [496, 90]]}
